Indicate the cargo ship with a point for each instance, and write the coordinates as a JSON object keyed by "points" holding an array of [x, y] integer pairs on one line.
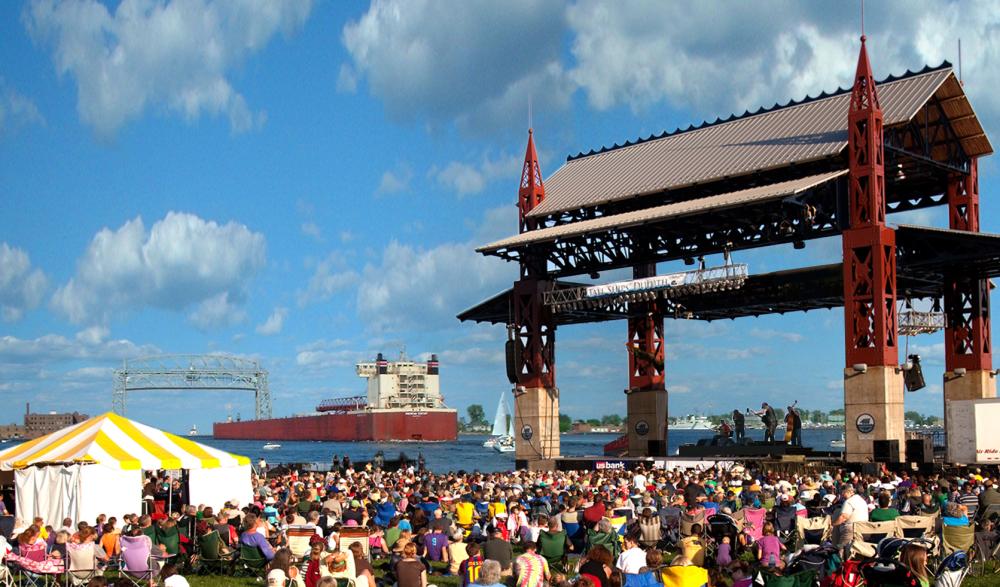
{"points": [[403, 403]]}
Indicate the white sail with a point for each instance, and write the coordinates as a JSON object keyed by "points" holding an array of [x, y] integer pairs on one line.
{"points": [[510, 425], [500, 420]]}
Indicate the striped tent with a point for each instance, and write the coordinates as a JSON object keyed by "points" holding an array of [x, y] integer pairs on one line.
{"points": [[118, 443]]}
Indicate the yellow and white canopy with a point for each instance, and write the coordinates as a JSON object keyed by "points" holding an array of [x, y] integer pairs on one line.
{"points": [[119, 443]]}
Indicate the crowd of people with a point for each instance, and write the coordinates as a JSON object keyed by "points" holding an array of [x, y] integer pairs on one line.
{"points": [[581, 529]]}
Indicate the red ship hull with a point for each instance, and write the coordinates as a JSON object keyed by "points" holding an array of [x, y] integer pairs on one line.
{"points": [[380, 425]]}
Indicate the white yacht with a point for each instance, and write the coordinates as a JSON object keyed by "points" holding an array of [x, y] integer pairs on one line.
{"points": [[691, 422], [271, 446], [193, 431]]}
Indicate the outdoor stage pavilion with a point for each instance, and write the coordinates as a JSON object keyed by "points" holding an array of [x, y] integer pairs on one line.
{"points": [[827, 165]]}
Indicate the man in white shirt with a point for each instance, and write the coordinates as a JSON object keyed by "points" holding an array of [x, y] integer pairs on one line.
{"points": [[854, 509], [633, 558]]}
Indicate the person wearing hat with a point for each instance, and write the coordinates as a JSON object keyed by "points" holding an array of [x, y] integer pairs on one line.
{"points": [[769, 419]]}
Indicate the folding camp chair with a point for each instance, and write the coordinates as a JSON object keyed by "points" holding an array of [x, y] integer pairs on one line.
{"points": [[813, 531], [210, 558], [349, 536], [138, 564], [298, 539], [954, 538], [170, 538], [6, 577], [867, 535], [81, 563], [753, 522], [924, 527], [687, 521], [33, 566], [252, 561]]}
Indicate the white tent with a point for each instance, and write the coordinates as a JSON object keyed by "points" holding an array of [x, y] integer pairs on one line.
{"points": [[95, 467]]}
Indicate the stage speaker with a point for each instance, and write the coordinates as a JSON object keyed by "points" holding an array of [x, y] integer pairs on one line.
{"points": [[657, 448], [913, 378], [920, 450], [511, 351], [886, 451]]}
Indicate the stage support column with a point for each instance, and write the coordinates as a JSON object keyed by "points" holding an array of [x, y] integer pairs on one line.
{"points": [[646, 422], [536, 398], [873, 384], [967, 336]]}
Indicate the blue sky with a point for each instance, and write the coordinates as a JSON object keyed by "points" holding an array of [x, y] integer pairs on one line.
{"points": [[304, 183]]}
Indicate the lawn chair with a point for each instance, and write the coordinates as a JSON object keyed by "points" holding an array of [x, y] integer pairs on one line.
{"points": [[138, 564], [924, 527], [753, 522], [955, 538], [349, 536], [170, 538], [252, 561], [81, 560], [298, 539], [6, 577], [552, 546], [687, 521], [34, 566], [814, 531], [867, 535], [211, 559]]}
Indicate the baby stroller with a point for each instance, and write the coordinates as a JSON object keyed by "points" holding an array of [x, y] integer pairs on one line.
{"points": [[952, 570], [886, 570], [721, 526], [822, 560]]}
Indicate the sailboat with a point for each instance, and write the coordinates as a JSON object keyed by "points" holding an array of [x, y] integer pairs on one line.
{"points": [[503, 424]]}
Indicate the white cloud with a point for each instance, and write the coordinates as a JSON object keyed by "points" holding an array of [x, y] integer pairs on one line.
{"points": [[394, 181], [16, 110], [274, 323], [716, 61], [52, 348], [479, 71], [415, 286], [167, 54], [347, 79], [327, 354], [768, 334], [180, 262], [330, 276], [470, 356], [21, 286], [313, 230], [467, 178], [217, 311]]}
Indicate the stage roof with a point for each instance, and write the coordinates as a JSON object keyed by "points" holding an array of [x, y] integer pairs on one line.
{"points": [[778, 137], [710, 204], [924, 257]]}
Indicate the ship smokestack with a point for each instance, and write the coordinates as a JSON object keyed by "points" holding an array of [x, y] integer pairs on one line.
{"points": [[432, 365], [381, 364]]}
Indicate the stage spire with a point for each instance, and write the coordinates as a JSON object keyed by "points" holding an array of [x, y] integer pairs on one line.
{"points": [[532, 190]]}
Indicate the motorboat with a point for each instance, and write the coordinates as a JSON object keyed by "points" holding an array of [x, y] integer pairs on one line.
{"points": [[841, 443], [272, 446], [505, 444], [691, 422], [193, 431]]}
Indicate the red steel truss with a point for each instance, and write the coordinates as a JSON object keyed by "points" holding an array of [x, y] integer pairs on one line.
{"points": [[967, 336], [534, 325], [532, 190], [869, 246], [645, 340]]}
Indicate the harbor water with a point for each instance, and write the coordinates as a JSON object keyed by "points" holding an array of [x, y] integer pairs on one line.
{"points": [[467, 453]]}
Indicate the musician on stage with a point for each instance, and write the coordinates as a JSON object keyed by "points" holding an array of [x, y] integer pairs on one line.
{"points": [[794, 422], [739, 426], [769, 419]]}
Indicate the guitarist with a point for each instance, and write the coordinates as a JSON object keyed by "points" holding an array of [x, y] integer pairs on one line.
{"points": [[769, 419]]}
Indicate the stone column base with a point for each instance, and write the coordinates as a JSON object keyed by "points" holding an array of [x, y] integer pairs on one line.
{"points": [[646, 423], [873, 405], [536, 424], [978, 384]]}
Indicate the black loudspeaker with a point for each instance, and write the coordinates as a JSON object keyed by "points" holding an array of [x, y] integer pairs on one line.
{"points": [[511, 350], [657, 448], [913, 378], [920, 450], [886, 451]]}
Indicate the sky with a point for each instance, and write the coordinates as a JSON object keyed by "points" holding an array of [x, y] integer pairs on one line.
{"points": [[304, 183]]}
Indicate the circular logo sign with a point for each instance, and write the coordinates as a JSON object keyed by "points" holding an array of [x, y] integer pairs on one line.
{"points": [[642, 427], [527, 432], [865, 423]]}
